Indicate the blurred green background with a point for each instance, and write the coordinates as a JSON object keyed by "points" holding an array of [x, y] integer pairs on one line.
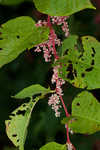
{"points": [[30, 68]]}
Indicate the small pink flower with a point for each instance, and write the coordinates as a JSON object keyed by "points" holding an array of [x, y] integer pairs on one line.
{"points": [[55, 103], [41, 23], [61, 21]]}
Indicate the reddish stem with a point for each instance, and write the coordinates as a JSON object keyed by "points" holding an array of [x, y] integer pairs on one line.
{"points": [[65, 109], [53, 41], [67, 132], [56, 58]]}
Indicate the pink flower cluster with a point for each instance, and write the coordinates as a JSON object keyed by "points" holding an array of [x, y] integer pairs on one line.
{"points": [[59, 82], [61, 21], [54, 100], [55, 103], [48, 46]]}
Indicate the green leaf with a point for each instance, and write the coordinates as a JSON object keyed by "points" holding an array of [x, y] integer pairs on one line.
{"points": [[16, 126], [53, 146], [31, 91], [62, 7], [81, 65], [85, 117], [69, 43], [17, 35], [10, 2]]}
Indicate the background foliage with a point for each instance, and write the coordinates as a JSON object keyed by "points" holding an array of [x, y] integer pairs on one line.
{"points": [[26, 70]]}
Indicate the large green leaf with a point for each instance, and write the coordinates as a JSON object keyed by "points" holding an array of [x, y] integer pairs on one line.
{"points": [[61, 7], [16, 126], [85, 114], [53, 146], [81, 63], [18, 35], [31, 91]]}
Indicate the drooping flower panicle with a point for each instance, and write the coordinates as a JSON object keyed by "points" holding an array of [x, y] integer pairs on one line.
{"points": [[48, 48]]}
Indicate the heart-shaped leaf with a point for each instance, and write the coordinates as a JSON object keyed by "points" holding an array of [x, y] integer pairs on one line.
{"points": [[61, 7]]}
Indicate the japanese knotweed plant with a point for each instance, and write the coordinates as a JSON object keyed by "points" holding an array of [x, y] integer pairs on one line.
{"points": [[77, 62]]}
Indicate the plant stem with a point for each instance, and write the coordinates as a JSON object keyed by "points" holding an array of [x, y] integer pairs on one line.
{"points": [[53, 41], [65, 109], [56, 58]]}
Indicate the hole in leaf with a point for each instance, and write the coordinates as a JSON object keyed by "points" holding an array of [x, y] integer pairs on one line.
{"points": [[70, 67], [78, 104], [80, 56], [18, 140], [1, 38], [18, 36], [14, 135], [66, 52], [36, 95], [0, 48], [92, 63], [12, 114], [94, 52], [89, 69], [83, 75], [87, 38], [10, 118], [21, 112], [70, 74], [93, 55], [24, 105]]}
